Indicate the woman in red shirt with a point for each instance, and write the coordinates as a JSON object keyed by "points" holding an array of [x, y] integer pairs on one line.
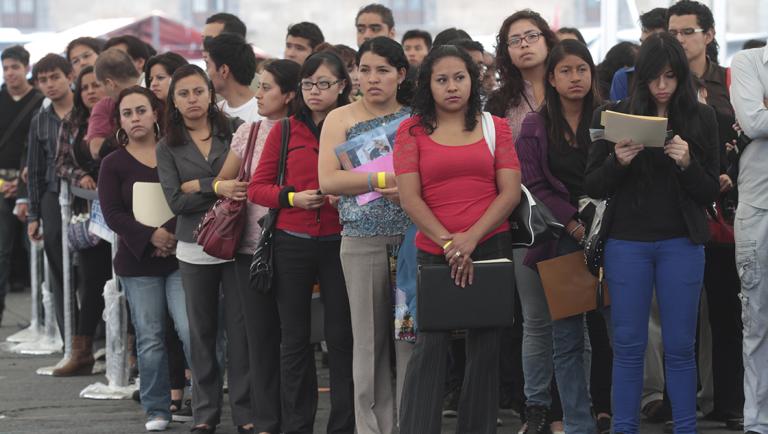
{"points": [[306, 249], [460, 197]]}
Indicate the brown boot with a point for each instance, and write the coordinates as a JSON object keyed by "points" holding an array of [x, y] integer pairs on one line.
{"points": [[80, 361]]}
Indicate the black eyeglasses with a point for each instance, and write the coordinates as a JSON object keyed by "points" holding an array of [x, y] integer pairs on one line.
{"points": [[530, 38], [685, 32], [322, 85]]}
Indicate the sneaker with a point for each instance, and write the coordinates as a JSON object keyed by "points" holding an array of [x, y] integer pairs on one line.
{"points": [[156, 425], [604, 425], [184, 414], [735, 424], [537, 420], [669, 427], [451, 403]]}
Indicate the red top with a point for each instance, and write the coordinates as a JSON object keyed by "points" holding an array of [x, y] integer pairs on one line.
{"points": [[300, 175], [458, 183]]}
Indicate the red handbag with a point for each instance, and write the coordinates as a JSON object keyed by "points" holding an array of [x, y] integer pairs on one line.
{"points": [[220, 231], [720, 231]]}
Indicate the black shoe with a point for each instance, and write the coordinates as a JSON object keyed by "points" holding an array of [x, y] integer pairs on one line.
{"points": [[451, 403], [136, 396], [537, 418], [604, 425], [203, 430], [735, 424], [657, 412], [184, 414]]}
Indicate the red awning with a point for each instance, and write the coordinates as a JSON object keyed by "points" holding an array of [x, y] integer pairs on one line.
{"points": [[165, 35]]}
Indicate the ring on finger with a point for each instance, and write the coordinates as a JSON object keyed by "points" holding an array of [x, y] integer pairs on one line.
{"points": [[457, 254]]}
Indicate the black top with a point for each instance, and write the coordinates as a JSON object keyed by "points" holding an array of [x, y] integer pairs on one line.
{"points": [[652, 199], [567, 163], [11, 153]]}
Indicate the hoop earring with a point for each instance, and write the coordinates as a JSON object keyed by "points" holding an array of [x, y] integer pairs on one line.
{"points": [[121, 139], [157, 130]]}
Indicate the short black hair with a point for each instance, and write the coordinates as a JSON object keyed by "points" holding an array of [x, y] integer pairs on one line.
{"points": [[16, 52], [450, 34], [170, 61], [95, 44], [379, 9], [232, 24], [232, 50], [689, 7], [654, 19], [51, 62], [753, 43], [308, 31], [420, 34], [572, 31], [467, 45], [137, 48]]}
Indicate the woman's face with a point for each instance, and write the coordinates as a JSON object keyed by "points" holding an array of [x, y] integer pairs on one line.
{"points": [[159, 81], [273, 103], [354, 75], [526, 54], [321, 100], [663, 87], [572, 78], [137, 117], [378, 79], [91, 90], [192, 97], [451, 84]]}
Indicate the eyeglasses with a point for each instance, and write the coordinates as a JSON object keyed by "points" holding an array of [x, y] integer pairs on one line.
{"points": [[530, 38], [685, 32], [322, 85]]}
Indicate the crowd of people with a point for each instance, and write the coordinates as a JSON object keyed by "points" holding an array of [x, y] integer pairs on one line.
{"points": [[467, 129]]}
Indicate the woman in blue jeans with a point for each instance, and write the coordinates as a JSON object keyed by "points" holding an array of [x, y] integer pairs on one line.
{"points": [[145, 263], [552, 148], [657, 228]]}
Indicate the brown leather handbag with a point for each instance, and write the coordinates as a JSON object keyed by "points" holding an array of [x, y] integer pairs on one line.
{"points": [[221, 228]]}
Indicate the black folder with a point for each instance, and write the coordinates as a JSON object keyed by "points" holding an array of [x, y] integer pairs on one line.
{"points": [[488, 302]]}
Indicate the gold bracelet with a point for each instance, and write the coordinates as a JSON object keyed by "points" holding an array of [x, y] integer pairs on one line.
{"points": [[382, 179], [446, 245], [216, 186]]}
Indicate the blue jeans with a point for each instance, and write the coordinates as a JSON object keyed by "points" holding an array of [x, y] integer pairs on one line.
{"points": [[676, 268], [149, 298]]}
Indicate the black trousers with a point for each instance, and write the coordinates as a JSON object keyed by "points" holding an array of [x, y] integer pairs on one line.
{"points": [[50, 213], [202, 284], [262, 329], [93, 271], [299, 263], [175, 349], [722, 287], [420, 409], [602, 363]]}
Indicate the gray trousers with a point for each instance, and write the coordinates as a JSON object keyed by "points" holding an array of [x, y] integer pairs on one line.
{"points": [[751, 230], [366, 272]]}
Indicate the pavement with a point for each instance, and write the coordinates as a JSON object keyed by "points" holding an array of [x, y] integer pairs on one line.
{"points": [[30, 403]]}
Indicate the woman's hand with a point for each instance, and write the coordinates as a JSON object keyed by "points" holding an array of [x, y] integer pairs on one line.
{"points": [[725, 183], [576, 230], [163, 240], [333, 200], [232, 189], [392, 194], [677, 150], [463, 272], [308, 199], [626, 150], [192, 186], [458, 254], [87, 183]]}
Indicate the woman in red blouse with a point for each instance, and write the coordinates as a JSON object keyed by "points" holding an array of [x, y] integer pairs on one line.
{"points": [[460, 196]]}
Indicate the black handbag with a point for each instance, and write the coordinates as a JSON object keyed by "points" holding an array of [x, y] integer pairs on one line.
{"points": [[262, 263], [532, 223]]}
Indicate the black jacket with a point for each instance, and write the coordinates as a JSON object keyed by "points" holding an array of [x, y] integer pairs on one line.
{"points": [[697, 186]]}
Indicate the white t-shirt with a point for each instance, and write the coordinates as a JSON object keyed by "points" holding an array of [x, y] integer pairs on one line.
{"points": [[248, 112]]}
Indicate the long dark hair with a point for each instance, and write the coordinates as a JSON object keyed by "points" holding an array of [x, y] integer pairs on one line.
{"points": [[558, 129], [512, 84], [310, 66], [393, 52], [286, 75], [657, 52], [424, 102], [174, 123], [80, 113], [154, 103]]}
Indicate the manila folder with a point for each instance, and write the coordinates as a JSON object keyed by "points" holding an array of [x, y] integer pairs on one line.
{"points": [[149, 204]]}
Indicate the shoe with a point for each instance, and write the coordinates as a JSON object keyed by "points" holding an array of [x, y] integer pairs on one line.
{"points": [[669, 427], [656, 412], [203, 430], [156, 425], [537, 420], [451, 403], [241, 430], [735, 424], [604, 425], [80, 360], [136, 396], [557, 427], [184, 414], [175, 405]]}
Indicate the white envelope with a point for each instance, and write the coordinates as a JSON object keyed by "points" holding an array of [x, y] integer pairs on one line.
{"points": [[149, 205]]}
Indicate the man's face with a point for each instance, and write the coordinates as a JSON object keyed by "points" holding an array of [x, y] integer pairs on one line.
{"points": [[214, 74], [297, 49], [369, 26], [81, 56], [416, 50], [54, 84], [695, 43], [14, 73]]}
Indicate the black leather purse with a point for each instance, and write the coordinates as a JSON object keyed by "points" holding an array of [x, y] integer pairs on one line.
{"points": [[262, 264]]}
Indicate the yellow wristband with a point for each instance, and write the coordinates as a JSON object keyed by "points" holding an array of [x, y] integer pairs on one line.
{"points": [[290, 198], [382, 179], [2, 183], [446, 245], [216, 186]]}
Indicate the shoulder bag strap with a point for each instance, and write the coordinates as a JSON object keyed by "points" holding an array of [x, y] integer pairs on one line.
{"points": [[285, 125], [489, 132], [19, 118], [245, 166]]}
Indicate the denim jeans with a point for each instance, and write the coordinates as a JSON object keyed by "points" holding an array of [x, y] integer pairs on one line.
{"points": [[751, 230], [676, 268], [149, 298]]}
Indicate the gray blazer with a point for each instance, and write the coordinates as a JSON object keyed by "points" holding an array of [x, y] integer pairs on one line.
{"points": [[179, 164]]}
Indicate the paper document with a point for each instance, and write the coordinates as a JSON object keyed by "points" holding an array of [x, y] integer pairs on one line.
{"points": [[650, 131], [149, 205]]}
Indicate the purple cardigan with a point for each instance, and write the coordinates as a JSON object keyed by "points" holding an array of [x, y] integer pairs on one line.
{"points": [[532, 152]]}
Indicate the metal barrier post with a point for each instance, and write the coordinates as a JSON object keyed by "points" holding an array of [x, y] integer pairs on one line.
{"points": [[34, 332], [51, 340]]}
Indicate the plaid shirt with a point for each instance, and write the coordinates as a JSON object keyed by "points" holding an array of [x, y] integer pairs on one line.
{"points": [[70, 164], [43, 139]]}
